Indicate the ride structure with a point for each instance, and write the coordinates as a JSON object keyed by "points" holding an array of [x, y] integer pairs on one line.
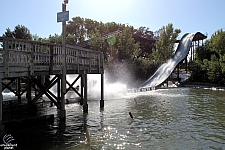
{"points": [[28, 67], [186, 44]]}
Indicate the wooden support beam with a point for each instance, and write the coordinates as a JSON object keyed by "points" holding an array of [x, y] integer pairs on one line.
{"points": [[8, 85], [102, 91], [82, 89], [71, 86], [1, 100], [2, 129], [58, 90], [85, 105], [178, 71], [28, 94], [18, 89], [45, 90]]}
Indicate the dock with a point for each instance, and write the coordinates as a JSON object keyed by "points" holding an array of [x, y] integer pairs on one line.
{"points": [[31, 66]]}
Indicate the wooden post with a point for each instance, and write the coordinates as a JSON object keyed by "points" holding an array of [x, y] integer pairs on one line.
{"points": [[82, 89], [1, 99], [178, 71], [28, 94], [63, 79], [6, 58], [85, 105], [58, 89], [186, 64], [2, 130], [102, 91], [18, 89]]}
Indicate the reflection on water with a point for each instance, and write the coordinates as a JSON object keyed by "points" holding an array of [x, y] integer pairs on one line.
{"points": [[179, 118]]}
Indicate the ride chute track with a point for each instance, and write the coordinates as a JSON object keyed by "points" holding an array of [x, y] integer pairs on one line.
{"points": [[164, 71]]}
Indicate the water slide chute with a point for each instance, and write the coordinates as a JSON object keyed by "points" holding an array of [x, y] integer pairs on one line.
{"points": [[164, 71]]}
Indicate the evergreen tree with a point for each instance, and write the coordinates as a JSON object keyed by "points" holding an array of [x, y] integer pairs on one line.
{"points": [[20, 32]]}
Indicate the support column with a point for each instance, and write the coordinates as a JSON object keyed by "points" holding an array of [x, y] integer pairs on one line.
{"points": [[186, 64], [62, 114], [85, 105], [82, 89], [62, 111], [18, 89], [178, 72], [102, 91], [28, 94], [2, 130], [167, 82], [58, 89]]}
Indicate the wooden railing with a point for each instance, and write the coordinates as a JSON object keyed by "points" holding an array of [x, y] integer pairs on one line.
{"points": [[30, 57]]}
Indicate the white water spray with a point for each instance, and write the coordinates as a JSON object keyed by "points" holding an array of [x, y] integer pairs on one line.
{"points": [[111, 90]]}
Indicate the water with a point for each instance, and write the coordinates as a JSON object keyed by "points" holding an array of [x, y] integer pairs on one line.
{"points": [[179, 118]]}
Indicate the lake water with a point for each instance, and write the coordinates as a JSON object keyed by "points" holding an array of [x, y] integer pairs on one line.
{"points": [[176, 118]]}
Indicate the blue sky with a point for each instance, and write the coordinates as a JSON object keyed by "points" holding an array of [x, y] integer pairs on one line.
{"points": [[40, 16]]}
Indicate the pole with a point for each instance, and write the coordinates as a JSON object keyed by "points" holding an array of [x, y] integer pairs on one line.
{"points": [[63, 85], [102, 91], [2, 129], [85, 105], [1, 99]]}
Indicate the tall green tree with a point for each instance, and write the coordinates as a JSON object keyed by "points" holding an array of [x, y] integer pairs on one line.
{"points": [[217, 42], [165, 45], [76, 30], [20, 32], [127, 48]]}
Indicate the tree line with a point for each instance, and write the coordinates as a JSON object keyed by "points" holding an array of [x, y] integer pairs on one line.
{"points": [[140, 58], [209, 65]]}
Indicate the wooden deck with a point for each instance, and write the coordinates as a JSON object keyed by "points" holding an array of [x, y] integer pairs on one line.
{"points": [[22, 58]]}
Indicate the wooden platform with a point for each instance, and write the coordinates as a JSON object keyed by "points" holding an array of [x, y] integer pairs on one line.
{"points": [[30, 58]]}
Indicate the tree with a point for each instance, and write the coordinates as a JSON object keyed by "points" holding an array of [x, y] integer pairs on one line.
{"points": [[144, 32], [8, 33], [20, 32], [217, 42], [127, 48], [76, 30], [165, 44]]}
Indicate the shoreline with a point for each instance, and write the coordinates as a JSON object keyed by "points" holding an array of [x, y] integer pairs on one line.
{"points": [[203, 85]]}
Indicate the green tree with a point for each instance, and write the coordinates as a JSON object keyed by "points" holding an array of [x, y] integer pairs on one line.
{"points": [[20, 32], [217, 42], [127, 48], [57, 39], [76, 30], [215, 72], [165, 44]]}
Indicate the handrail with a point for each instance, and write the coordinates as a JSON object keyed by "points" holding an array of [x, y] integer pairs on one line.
{"points": [[32, 54]]}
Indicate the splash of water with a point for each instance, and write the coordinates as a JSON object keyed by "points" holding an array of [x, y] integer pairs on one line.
{"points": [[111, 90]]}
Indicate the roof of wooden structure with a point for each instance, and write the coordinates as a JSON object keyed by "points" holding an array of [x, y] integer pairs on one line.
{"points": [[198, 36]]}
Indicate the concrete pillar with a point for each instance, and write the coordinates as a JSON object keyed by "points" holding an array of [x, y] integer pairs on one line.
{"points": [[1, 100], [85, 105], [102, 91]]}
